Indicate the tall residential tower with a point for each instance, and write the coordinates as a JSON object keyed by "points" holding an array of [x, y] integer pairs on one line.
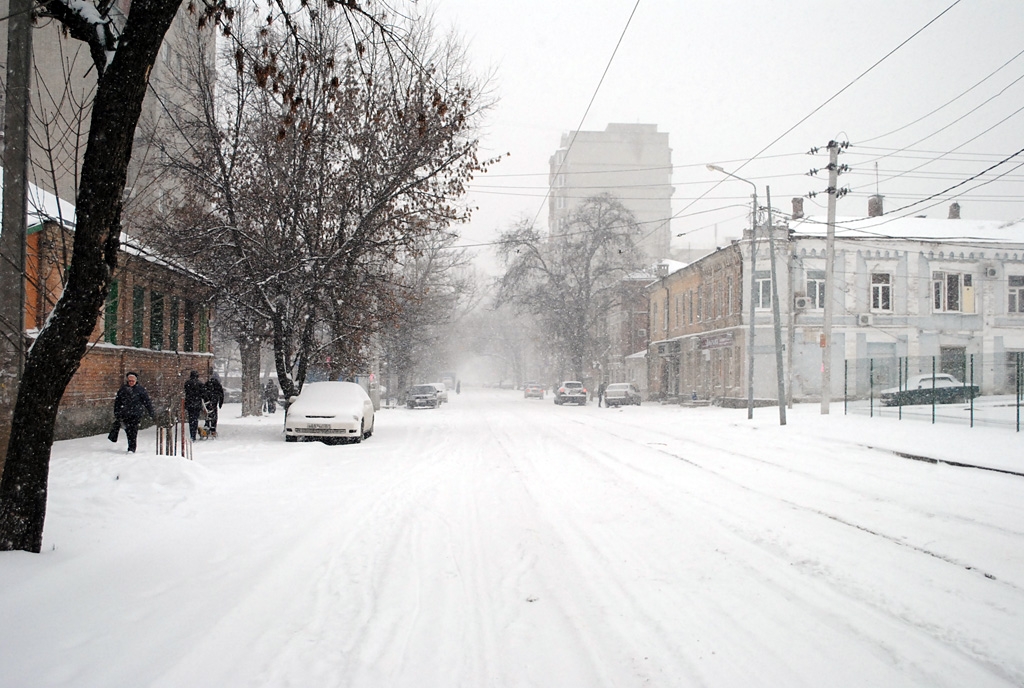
{"points": [[632, 162]]}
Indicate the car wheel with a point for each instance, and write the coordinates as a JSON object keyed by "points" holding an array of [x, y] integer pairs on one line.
{"points": [[291, 438], [369, 433]]}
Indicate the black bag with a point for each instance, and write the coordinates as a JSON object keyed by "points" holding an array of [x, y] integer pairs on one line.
{"points": [[114, 431]]}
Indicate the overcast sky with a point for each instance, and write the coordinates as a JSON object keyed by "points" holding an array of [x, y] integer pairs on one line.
{"points": [[744, 84]]}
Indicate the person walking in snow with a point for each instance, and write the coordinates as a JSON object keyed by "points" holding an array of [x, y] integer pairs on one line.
{"points": [[270, 396], [213, 399], [193, 402], [600, 393], [131, 401]]}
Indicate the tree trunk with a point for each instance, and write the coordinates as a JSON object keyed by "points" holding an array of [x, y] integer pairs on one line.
{"points": [[251, 351], [62, 343]]}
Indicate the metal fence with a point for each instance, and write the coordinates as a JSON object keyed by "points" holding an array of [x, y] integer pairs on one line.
{"points": [[953, 387]]}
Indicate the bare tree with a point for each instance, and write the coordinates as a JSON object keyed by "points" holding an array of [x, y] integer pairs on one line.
{"points": [[433, 289], [123, 52], [306, 197], [567, 281]]}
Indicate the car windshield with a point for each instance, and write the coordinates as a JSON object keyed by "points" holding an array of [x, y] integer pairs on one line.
{"points": [[618, 386], [423, 389], [573, 385]]}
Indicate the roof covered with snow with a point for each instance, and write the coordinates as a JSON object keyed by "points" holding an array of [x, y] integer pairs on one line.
{"points": [[43, 206], [917, 228]]}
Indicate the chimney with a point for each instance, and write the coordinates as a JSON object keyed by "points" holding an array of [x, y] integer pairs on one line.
{"points": [[875, 206], [662, 269], [954, 211], [798, 208]]}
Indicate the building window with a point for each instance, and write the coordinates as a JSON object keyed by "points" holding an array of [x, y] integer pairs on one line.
{"points": [[172, 324], [110, 315], [189, 334], [138, 316], [946, 291], [816, 288], [700, 304], [560, 202], [1015, 302], [156, 321], [204, 331], [881, 291], [763, 299], [728, 295]]}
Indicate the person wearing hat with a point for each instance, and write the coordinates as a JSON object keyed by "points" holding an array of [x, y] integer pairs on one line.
{"points": [[193, 402], [131, 402], [213, 399]]}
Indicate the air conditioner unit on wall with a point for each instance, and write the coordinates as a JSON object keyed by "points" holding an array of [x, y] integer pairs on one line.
{"points": [[864, 319], [801, 303], [991, 272]]}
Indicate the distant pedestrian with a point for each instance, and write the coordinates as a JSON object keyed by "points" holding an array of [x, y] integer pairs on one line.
{"points": [[600, 393], [213, 399], [193, 402], [458, 386], [131, 402], [270, 396]]}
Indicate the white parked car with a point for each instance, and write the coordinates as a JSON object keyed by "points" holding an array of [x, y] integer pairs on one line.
{"points": [[329, 411], [621, 394], [442, 391]]}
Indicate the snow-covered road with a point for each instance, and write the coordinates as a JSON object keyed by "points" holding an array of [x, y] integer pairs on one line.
{"points": [[505, 542]]}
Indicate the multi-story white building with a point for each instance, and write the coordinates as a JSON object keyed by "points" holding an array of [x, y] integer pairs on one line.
{"points": [[909, 289], [632, 162], [909, 293]]}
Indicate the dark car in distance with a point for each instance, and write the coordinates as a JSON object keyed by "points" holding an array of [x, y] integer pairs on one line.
{"points": [[423, 396], [926, 389]]}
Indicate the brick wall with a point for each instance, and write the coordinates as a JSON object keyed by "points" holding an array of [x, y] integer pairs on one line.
{"points": [[87, 407]]}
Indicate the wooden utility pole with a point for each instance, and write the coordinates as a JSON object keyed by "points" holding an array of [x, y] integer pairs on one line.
{"points": [[12, 236]]}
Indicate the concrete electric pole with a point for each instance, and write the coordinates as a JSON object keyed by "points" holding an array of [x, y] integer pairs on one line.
{"points": [[830, 256]]}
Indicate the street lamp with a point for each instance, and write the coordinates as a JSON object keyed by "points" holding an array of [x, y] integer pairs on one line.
{"points": [[753, 290]]}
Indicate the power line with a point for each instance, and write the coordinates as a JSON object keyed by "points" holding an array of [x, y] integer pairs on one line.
{"points": [[949, 102], [836, 94], [591, 103]]}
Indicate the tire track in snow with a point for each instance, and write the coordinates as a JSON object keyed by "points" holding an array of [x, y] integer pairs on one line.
{"points": [[831, 515], [961, 645]]}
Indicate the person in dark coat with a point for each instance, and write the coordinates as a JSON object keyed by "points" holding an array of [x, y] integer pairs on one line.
{"points": [[131, 402], [270, 393], [193, 402], [213, 398]]}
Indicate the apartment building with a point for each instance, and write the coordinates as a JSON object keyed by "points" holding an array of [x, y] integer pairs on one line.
{"points": [[633, 163]]}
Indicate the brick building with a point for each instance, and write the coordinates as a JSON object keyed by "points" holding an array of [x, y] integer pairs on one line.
{"points": [[696, 329], [156, 322]]}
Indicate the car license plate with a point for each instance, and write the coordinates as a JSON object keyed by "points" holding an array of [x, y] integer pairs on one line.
{"points": [[318, 426]]}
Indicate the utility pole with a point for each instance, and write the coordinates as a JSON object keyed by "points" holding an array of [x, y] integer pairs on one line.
{"points": [[12, 237], [779, 370], [830, 255]]}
